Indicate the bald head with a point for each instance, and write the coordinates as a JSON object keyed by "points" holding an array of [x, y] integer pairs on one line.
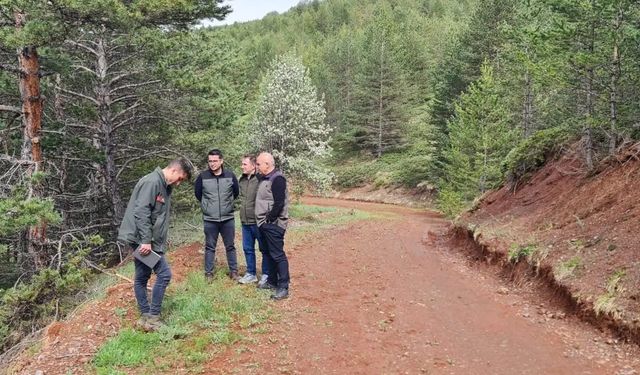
{"points": [[265, 163]]}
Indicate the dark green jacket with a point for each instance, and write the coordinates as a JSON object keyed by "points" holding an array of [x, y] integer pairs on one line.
{"points": [[146, 219], [248, 190]]}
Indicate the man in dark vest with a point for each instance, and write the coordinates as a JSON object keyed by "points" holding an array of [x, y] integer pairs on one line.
{"points": [[272, 214], [145, 225], [216, 189], [250, 233]]}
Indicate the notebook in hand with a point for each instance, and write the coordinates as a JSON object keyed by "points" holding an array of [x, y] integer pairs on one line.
{"points": [[150, 259]]}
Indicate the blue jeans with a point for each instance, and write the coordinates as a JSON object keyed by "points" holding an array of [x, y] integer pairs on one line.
{"points": [[228, 232], [143, 273], [251, 234]]}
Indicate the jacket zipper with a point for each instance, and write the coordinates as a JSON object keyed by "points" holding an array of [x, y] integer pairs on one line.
{"points": [[219, 202]]}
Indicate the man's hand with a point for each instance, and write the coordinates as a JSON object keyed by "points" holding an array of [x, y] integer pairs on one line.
{"points": [[145, 249]]}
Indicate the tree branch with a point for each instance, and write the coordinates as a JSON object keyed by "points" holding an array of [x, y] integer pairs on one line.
{"points": [[131, 160], [134, 85], [121, 75], [130, 108], [134, 120], [77, 94], [11, 68], [123, 98], [82, 67], [10, 108], [85, 47]]}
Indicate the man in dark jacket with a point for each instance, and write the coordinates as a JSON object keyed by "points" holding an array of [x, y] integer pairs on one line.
{"points": [[272, 215], [216, 189], [250, 233], [145, 225]]}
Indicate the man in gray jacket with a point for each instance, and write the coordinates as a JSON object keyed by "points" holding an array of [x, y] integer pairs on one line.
{"points": [[145, 225], [216, 189], [272, 214], [250, 233]]}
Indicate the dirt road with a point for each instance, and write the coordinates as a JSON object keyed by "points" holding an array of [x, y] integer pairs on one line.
{"points": [[383, 298], [374, 297]]}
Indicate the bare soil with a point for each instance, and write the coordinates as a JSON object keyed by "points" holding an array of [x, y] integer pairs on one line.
{"points": [[584, 230], [387, 296]]}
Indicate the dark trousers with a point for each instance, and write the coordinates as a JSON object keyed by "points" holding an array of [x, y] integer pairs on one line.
{"points": [[273, 239], [142, 275], [211, 231]]}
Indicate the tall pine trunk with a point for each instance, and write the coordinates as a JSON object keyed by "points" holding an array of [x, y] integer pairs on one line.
{"points": [[32, 106]]}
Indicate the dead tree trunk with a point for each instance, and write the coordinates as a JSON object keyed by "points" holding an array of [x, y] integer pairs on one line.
{"points": [[32, 106], [109, 169]]}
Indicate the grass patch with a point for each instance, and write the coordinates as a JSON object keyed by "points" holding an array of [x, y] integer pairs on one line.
{"points": [[306, 218], [566, 269], [606, 303], [518, 252], [200, 319], [187, 228]]}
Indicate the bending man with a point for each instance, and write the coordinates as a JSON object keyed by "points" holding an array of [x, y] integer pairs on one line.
{"points": [[146, 224]]}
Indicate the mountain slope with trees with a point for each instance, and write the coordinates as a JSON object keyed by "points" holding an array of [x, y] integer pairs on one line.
{"points": [[463, 96]]}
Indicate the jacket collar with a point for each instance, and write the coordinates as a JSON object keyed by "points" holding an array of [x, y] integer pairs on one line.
{"points": [[158, 170]]}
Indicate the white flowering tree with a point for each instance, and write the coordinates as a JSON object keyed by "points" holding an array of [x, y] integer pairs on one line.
{"points": [[290, 121]]}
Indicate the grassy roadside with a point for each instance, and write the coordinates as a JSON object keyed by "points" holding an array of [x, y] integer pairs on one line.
{"points": [[204, 319]]}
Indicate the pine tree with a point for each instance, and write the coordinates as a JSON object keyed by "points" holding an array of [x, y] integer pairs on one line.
{"points": [[481, 135], [379, 109]]}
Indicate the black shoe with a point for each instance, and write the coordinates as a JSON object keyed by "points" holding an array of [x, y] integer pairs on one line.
{"points": [[281, 293], [266, 285], [208, 277], [233, 275]]}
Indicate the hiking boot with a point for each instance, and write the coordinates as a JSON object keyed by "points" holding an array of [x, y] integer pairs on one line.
{"points": [[266, 285], [141, 323], [281, 293], [154, 323], [234, 275], [248, 279], [263, 279], [208, 277]]}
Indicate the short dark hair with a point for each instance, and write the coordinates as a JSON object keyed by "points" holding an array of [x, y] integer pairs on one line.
{"points": [[184, 165], [215, 152], [251, 157]]}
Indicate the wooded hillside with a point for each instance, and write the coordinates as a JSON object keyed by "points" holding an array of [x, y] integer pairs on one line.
{"points": [[458, 95]]}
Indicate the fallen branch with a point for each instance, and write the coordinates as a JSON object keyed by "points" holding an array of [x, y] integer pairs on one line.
{"points": [[90, 264]]}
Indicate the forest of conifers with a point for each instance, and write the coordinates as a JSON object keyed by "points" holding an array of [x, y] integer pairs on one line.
{"points": [[457, 95]]}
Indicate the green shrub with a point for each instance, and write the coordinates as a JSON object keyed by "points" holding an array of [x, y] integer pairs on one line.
{"points": [[353, 175], [34, 303], [383, 179], [450, 202], [532, 152], [412, 170]]}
